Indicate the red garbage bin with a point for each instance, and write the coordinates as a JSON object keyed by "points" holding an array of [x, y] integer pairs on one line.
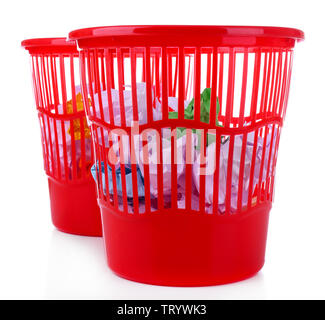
{"points": [[186, 122], [66, 138]]}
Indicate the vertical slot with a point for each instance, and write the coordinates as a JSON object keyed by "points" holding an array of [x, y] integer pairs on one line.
{"points": [[230, 87], [243, 90], [173, 155], [213, 105], [256, 79], [123, 171], [261, 85], [97, 86], [209, 61], [202, 171], [220, 81], [74, 123], [265, 84], [242, 173], [239, 59], [229, 175], [121, 86], [252, 171], [110, 85], [148, 86], [164, 77], [160, 173], [216, 175], [181, 85], [188, 168], [111, 144], [145, 151], [278, 83], [274, 58], [197, 85]]}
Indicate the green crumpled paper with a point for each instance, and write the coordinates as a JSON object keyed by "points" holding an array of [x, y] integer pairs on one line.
{"points": [[205, 103]]}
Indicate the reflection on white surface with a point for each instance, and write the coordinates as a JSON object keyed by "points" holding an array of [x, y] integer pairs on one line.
{"points": [[77, 269]]}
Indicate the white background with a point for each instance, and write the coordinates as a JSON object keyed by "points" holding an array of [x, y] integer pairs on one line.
{"points": [[37, 261]]}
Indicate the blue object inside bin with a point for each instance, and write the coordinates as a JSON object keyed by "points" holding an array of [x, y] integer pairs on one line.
{"points": [[128, 179]]}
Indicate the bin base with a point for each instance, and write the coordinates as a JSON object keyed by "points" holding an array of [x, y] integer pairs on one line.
{"points": [[74, 208], [186, 249]]}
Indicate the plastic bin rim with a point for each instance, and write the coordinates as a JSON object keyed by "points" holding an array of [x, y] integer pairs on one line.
{"points": [[48, 42], [157, 30]]}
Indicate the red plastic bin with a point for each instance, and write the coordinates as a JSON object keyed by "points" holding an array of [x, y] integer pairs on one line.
{"points": [[186, 122], [66, 139]]}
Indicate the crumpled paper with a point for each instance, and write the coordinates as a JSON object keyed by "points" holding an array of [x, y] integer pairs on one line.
{"points": [[128, 105], [172, 106], [223, 167], [152, 149], [166, 161]]}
